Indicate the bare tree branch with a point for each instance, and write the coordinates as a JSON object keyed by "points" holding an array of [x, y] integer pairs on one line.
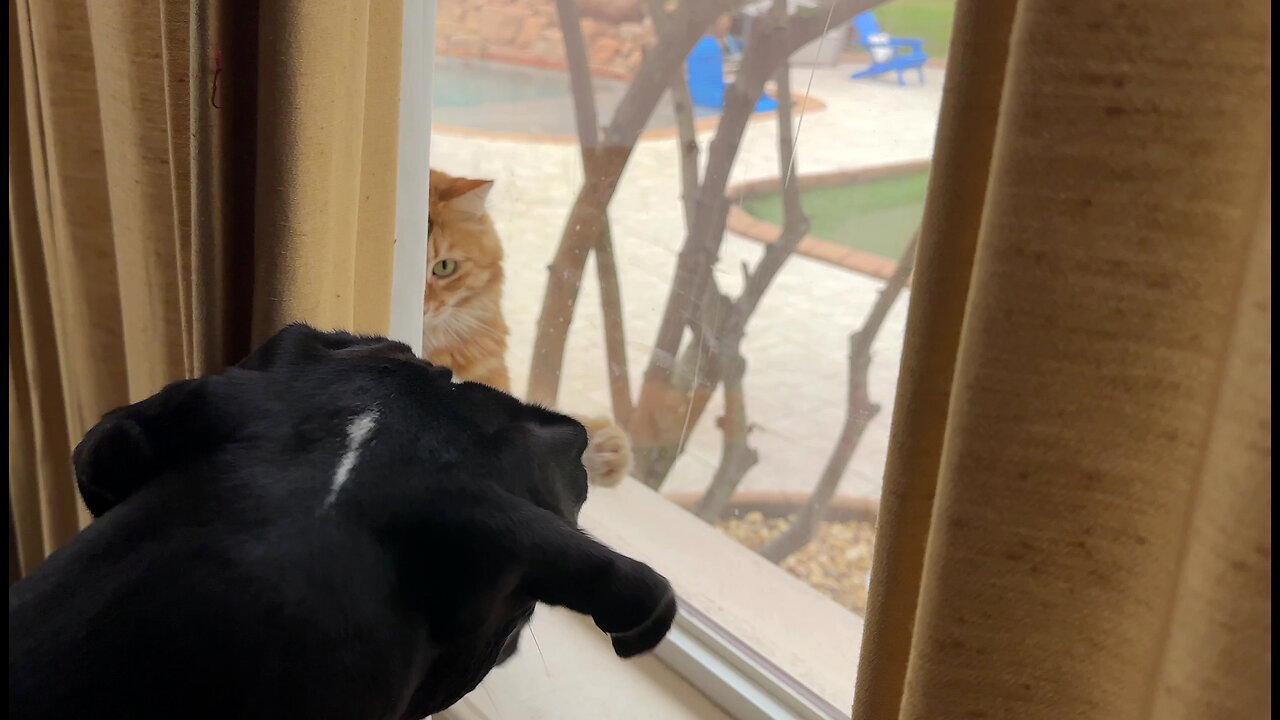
{"points": [[587, 219], [737, 457], [682, 104], [859, 412], [615, 338], [584, 96]]}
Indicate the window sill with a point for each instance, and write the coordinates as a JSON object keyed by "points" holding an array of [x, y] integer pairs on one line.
{"points": [[571, 672]]}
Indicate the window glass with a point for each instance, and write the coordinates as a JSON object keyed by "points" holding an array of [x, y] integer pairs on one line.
{"points": [[716, 274]]}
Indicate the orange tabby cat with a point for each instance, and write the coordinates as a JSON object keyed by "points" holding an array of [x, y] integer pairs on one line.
{"points": [[462, 324]]}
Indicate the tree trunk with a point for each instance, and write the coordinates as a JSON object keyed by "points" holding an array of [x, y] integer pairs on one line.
{"points": [[736, 456], [694, 380]]}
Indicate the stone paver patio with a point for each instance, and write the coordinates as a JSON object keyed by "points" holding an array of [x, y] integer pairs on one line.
{"points": [[796, 344]]}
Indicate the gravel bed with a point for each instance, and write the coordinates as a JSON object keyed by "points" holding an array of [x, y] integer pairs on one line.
{"points": [[837, 562]]}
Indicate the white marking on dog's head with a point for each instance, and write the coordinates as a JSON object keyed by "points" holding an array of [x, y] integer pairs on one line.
{"points": [[358, 432]]}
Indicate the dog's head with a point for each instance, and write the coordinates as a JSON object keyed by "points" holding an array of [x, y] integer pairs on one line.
{"points": [[474, 493]]}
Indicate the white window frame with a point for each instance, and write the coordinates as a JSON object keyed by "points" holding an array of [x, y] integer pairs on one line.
{"points": [[744, 683], [739, 680], [413, 172]]}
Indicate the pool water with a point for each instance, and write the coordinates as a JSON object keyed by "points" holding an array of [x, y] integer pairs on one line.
{"points": [[505, 98], [877, 216], [470, 84]]}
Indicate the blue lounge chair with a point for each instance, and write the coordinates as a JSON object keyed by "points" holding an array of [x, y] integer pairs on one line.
{"points": [[884, 50], [706, 77]]}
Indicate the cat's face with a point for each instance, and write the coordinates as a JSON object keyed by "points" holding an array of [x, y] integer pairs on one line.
{"points": [[464, 255]]}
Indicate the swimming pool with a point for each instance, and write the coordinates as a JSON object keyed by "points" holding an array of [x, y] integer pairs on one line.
{"points": [[503, 98], [471, 84]]}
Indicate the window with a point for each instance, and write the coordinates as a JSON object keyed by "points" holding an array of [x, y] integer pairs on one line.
{"points": [[720, 274]]}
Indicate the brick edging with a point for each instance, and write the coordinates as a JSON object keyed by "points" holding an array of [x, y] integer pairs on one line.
{"points": [[753, 228]]}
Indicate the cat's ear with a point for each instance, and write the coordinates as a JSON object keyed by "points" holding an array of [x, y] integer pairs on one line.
{"points": [[133, 445], [466, 194]]}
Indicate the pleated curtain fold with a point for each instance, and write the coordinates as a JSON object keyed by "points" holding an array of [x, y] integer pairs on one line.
{"points": [[1076, 519], [184, 179]]}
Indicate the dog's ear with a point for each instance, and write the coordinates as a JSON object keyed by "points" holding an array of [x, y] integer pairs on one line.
{"points": [[132, 445], [626, 598], [542, 462]]}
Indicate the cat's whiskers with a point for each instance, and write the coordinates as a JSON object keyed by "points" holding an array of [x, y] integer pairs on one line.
{"points": [[476, 322], [456, 326]]}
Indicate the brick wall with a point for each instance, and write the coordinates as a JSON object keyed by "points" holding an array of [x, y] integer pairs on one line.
{"points": [[528, 32]]}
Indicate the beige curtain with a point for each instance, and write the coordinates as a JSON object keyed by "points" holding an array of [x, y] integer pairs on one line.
{"points": [[1077, 511], [184, 178]]}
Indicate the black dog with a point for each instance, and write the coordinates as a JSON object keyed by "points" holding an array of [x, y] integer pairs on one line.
{"points": [[331, 529]]}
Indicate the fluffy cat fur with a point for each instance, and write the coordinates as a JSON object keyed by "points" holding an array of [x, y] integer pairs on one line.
{"points": [[462, 324]]}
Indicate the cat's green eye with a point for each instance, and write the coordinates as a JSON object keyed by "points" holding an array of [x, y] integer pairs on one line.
{"points": [[444, 268]]}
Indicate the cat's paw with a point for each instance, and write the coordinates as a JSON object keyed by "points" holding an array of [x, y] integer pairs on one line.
{"points": [[608, 456]]}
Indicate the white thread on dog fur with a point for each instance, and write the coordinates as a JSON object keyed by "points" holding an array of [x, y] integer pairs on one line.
{"points": [[357, 433]]}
